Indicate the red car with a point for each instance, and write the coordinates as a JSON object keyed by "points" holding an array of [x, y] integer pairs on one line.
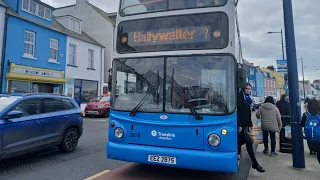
{"points": [[100, 106]]}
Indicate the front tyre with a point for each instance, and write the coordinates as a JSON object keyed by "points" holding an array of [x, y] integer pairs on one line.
{"points": [[70, 140], [107, 113]]}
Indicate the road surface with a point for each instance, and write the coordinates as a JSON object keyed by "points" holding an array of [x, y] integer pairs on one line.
{"points": [[89, 159]]}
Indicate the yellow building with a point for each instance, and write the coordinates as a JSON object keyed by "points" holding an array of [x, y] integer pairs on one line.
{"points": [[279, 79]]}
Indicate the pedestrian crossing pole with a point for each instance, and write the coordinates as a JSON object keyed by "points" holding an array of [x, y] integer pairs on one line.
{"points": [[295, 104]]}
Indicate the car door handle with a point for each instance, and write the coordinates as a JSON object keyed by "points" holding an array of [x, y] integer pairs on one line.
{"points": [[67, 116], [40, 121]]}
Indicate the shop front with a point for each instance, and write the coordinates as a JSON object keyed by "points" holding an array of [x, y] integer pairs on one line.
{"points": [[25, 79], [82, 90]]}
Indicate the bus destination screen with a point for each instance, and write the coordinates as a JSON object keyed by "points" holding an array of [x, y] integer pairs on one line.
{"points": [[183, 32], [170, 36]]}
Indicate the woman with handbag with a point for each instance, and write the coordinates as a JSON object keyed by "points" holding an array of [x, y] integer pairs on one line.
{"points": [[270, 123]]}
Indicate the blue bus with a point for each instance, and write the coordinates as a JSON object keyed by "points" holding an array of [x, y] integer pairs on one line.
{"points": [[175, 77]]}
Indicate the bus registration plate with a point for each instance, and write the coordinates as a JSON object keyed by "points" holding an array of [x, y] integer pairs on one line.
{"points": [[162, 159]]}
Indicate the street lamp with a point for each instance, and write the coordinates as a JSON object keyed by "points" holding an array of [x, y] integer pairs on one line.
{"points": [[304, 90], [270, 32]]}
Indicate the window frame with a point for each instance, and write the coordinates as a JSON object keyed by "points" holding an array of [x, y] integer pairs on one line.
{"points": [[32, 43], [37, 10], [56, 50], [91, 52], [165, 10], [74, 63]]}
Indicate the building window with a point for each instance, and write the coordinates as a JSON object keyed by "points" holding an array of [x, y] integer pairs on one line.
{"points": [[36, 9], [274, 84], [90, 59], [72, 54], [54, 48], [74, 25], [29, 43], [251, 71]]}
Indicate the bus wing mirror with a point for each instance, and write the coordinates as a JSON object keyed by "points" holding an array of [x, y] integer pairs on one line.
{"points": [[241, 78]]}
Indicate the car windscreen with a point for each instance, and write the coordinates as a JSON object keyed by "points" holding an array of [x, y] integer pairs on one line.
{"points": [[6, 101]]}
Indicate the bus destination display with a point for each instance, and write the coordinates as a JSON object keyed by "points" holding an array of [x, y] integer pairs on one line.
{"points": [[170, 36], [170, 33]]}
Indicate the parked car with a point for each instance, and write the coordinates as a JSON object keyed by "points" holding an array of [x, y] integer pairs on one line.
{"points": [[99, 106], [257, 102], [33, 122]]}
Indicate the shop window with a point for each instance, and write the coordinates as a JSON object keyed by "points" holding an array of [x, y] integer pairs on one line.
{"points": [[19, 87], [89, 90]]}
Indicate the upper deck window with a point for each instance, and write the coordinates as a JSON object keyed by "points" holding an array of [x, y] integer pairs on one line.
{"points": [[130, 7]]}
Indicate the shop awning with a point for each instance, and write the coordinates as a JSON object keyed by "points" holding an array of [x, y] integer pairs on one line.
{"points": [[39, 79], [26, 73]]}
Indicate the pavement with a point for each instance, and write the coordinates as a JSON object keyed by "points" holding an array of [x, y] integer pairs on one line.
{"points": [[281, 167]]}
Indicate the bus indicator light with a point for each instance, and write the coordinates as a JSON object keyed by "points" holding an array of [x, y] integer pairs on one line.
{"points": [[224, 132]]}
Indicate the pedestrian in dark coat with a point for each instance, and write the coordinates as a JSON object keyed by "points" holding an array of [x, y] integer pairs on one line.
{"points": [[244, 124]]}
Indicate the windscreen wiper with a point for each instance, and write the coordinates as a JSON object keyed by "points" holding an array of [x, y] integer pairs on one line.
{"points": [[193, 111], [144, 99]]}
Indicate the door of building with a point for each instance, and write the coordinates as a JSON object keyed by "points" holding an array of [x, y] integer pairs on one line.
{"points": [[77, 94]]}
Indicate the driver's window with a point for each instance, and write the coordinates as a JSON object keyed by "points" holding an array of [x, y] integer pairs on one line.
{"points": [[28, 107]]}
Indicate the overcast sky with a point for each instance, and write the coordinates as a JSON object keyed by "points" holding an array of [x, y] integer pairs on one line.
{"points": [[257, 17]]}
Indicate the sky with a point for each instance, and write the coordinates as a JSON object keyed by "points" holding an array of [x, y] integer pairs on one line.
{"points": [[256, 18]]}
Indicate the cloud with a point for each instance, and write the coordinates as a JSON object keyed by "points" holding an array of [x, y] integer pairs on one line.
{"points": [[257, 17]]}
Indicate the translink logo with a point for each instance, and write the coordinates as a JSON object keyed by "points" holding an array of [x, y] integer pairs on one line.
{"points": [[154, 133]]}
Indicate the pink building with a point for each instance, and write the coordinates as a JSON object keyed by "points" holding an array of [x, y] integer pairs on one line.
{"points": [[270, 84]]}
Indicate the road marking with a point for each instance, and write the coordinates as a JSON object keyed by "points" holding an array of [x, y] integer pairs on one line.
{"points": [[97, 175]]}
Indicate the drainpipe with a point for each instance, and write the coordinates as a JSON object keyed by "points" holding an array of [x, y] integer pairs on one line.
{"points": [[4, 48], [101, 69]]}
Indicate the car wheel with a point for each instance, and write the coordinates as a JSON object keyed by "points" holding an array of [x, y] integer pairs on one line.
{"points": [[107, 113], [70, 140]]}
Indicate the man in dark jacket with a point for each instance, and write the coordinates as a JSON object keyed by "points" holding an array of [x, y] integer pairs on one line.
{"points": [[283, 106], [244, 124]]}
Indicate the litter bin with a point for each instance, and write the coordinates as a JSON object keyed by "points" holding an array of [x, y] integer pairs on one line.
{"points": [[285, 143]]}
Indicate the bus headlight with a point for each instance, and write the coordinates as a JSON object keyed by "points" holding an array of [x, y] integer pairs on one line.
{"points": [[214, 140], [118, 133]]}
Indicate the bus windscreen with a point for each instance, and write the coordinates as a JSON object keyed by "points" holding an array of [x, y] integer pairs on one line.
{"points": [[184, 32]]}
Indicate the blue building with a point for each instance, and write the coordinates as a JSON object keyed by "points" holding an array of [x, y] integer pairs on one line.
{"points": [[256, 79], [35, 52], [252, 79], [260, 83]]}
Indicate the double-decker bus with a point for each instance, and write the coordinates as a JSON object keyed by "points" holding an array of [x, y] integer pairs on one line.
{"points": [[174, 84]]}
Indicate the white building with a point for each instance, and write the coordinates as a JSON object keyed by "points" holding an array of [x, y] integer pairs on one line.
{"points": [[85, 61], [98, 24], [3, 7]]}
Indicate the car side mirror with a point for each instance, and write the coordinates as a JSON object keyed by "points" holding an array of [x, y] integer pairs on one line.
{"points": [[13, 114], [241, 78]]}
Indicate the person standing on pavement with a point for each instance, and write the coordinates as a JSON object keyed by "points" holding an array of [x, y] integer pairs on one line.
{"points": [[283, 106], [313, 109], [270, 123], [244, 122]]}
